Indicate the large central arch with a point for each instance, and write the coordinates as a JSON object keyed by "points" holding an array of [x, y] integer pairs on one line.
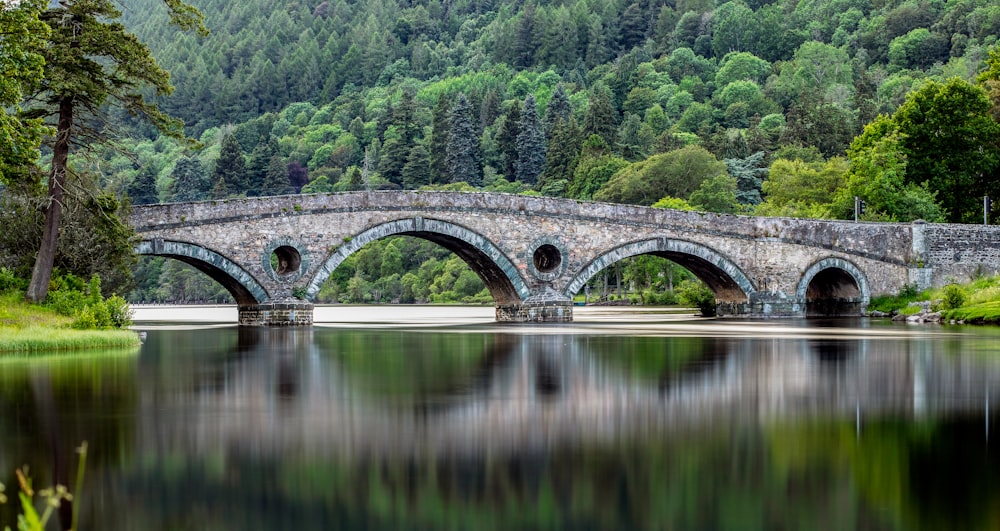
{"points": [[484, 258], [242, 285], [727, 280]]}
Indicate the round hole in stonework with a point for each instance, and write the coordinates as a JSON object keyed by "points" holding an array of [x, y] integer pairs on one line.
{"points": [[285, 260], [547, 258]]}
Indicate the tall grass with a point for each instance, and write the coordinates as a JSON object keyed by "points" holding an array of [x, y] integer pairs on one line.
{"points": [[32, 329]]}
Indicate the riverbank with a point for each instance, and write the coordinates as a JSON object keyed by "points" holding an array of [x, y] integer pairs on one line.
{"points": [[976, 302], [28, 329]]}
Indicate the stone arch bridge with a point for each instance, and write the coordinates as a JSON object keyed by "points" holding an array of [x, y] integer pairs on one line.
{"points": [[534, 254]]}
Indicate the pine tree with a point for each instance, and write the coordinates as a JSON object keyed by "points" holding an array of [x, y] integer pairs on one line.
{"points": [[439, 140], [257, 167], [142, 189], [463, 154], [507, 140], [190, 182], [557, 111], [561, 156], [530, 144], [230, 169], [276, 181], [76, 86], [749, 176], [417, 171], [601, 118]]}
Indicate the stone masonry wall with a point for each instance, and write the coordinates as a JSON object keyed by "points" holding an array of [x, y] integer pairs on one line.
{"points": [[773, 253]]}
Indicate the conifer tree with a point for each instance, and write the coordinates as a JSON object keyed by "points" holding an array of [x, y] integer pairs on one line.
{"points": [[276, 180], [507, 140], [257, 167], [92, 61], [230, 169], [561, 155], [530, 144], [440, 129], [601, 118], [142, 189], [417, 171], [557, 111], [22, 36], [463, 154], [190, 183]]}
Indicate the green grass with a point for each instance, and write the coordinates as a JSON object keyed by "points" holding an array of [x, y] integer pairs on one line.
{"points": [[983, 313], [32, 329]]}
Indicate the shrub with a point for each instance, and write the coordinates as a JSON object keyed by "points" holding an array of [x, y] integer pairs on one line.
{"points": [[11, 282], [695, 293], [953, 297]]}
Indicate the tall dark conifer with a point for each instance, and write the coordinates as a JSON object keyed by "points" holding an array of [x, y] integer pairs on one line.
{"points": [[229, 177], [463, 158], [257, 167], [561, 154], [142, 189], [417, 171], [530, 144], [440, 129], [190, 183], [276, 179], [92, 62], [601, 118], [557, 111], [507, 140]]}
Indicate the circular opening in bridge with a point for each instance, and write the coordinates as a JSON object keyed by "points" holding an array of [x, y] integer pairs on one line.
{"points": [[547, 258], [285, 260]]}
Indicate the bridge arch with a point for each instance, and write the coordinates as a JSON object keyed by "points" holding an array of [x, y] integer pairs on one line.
{"points": [[242, 285], [832, 287], [483, 256], [724, 277]]}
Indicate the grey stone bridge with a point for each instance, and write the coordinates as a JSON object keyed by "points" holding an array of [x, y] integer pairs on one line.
{"points": [[534, 254]]}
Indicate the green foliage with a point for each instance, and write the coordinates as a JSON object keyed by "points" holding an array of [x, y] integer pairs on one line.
{"points": [[716, 194], [70, 296], [11, 282], [696, 294], [953, 296], [676, 173], [21, 66]]}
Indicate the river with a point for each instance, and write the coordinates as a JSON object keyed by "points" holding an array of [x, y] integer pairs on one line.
{"points": [[439, 418]]}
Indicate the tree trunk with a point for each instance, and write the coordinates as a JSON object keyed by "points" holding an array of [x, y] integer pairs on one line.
{"points": [[42, 273]]}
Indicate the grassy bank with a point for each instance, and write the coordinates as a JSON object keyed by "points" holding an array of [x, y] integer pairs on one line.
{"points": [[32, 329], [975, 302]]}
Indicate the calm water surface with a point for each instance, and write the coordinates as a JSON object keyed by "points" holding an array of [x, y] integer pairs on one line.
{"points": [[429, 418]]}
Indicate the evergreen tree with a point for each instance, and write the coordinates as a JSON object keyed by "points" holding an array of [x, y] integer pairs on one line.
{"points": [[463, 154], [190, 183], [257, 168], [276, 180], [507, 140], [526, 39], [76, 84], [562, 155], [557, 111], [21, 63], [394, 153], [530, 144], [417, 171], [355, 180], [489, 110], [634, 139], [440, 129], [229, 176], [142, 189], [749, 174], [601, 118]]}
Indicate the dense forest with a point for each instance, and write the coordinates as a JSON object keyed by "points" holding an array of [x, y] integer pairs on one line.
{"points": [[788, 108]]}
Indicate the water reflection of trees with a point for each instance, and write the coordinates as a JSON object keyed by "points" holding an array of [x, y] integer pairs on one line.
{"points": [[270, 428]]}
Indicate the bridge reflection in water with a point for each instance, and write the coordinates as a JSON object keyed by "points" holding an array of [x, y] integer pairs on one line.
{"points": [[296, 389]]}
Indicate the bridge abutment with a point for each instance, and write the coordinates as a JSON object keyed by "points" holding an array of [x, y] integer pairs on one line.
{"points": [[277, 313]]}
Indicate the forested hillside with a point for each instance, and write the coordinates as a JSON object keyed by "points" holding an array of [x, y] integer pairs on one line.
{"points": [[742, 107]]}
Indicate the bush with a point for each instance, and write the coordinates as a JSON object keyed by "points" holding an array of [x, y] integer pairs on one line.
{"points": [[953, 297], [11, 282], [70, 296], [695, 293]]}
